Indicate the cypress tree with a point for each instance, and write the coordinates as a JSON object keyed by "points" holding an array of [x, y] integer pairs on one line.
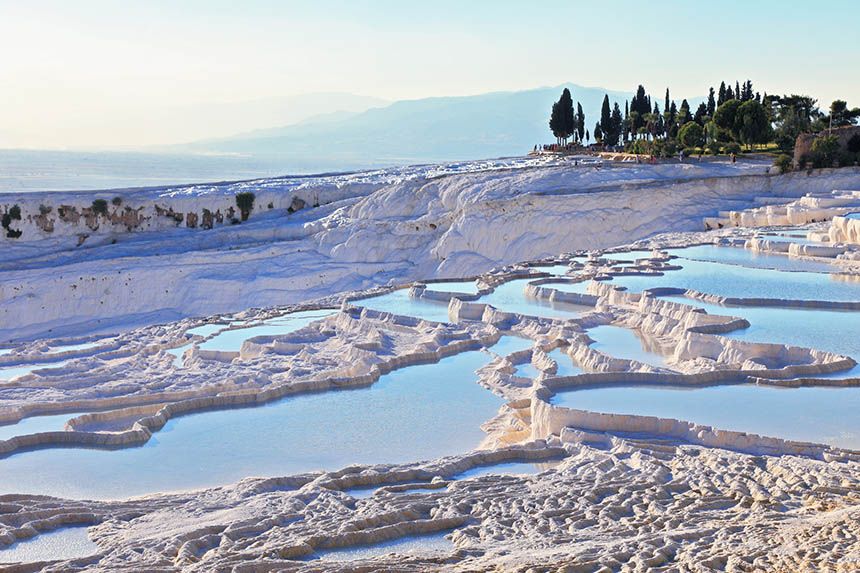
{"points": [[722, 96], [737, 90], [598, 135], [568, 125], [729, 94], [701, 113], [712, 106], [616, 125], [666, 104], [555, 122], [626, 134], [684, 113], [671, 126], [580, 121], [605, 118]]}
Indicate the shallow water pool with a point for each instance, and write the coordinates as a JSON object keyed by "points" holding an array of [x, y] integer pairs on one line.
{"points": [[566, 367], [509, 468], [623, 343], [35, 424], [746, 282], [15, 371], [415, 413], [746, 257], [414, 544], [510, 297], [66, 543], [822, 415], [399, 302], [231, 340]]}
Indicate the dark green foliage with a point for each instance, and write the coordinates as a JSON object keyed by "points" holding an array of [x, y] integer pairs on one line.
{"points": [[670, 148], [5, 220], [116, 201], [712, 104], [684, 114], [44, 209], [854, 143], [15, 212], [690, 151], [845, 159], [100, 207], [714, 147], [692, 135], [598, 134], [802, 161], [725, 116], [784, 163], [245, 203], [615, 126], [605, 121], [701, 114], [580, 122], [840, 115], [562, 122], [732, 147], [824, 150], [721, 98], [751, 123]]}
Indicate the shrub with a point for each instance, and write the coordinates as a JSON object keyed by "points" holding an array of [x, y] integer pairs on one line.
{"points": [[714, 147], [15, 212], [670, 148], [5, 220], [117, 200], [826, 147], [245, 203], [802, 161], [692, 135], [820, 160], [854, 143], [44, 209], [100, 207], [845, 159], [690, 151], [732, 147], [784, 163]]}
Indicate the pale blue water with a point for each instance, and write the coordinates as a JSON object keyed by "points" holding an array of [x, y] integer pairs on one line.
{"points": [[510, 344], [746, 257], [566, 366], [853, 215], [623, 343], [178, 352], [420, 412], [822, 415], [398, 302], [413, 544], [790, 239], [468, 287], [509, 468], [746, 282], [34, 425], [13, 371], [66, 543], [510, 297], [231, 340], [205, 329], [527, 371], [580, 287]]}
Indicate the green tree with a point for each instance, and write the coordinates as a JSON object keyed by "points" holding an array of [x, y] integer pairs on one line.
{"points": [[725, 116], [721, 98], [712, 105], [245, 203], [616, 124], [692, 135], [605, 120], [752, 124], [598, 133], [684, 114], [568, 121], [840, 115], [701, 114], [580, 121]]}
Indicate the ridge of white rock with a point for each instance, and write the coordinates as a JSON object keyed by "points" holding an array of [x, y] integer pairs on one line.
{"points": [[367, 231]]}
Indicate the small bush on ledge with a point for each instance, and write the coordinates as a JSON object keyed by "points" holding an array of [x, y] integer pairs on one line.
{"points": [[784, 163], [100, 207], [245, 203]]}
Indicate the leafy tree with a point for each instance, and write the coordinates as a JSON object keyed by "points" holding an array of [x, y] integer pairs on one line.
{"points": [[825, 148], [729, 94], [556, 123], [841, 116], [567, 118], [751, 123], [605, 121], [598, 133], [692, 135], [792, 115], [245, 203], [701, 114], [712, 106], [721, 98], [580, 121], [725, 116], [615, 126], [100, 207], [684, 114]]}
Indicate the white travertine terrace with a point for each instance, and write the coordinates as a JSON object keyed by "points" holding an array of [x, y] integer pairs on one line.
{"points": [[618, 491]]}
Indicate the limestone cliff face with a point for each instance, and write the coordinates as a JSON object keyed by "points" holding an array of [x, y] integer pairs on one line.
{"points": [[360, 235]]}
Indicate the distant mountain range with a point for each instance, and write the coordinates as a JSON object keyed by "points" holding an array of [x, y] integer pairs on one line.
{"points": [[495, 124]]}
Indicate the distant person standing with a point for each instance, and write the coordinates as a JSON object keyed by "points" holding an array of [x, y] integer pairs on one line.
{"points": [[681, 156], [733, 157]]}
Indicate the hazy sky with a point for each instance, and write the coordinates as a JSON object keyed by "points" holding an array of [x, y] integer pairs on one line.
{"points": [[89, 72]]}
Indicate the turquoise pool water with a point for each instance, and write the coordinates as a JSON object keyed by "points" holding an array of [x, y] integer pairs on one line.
{"points": [[510, 297], [231, 340], [15, 371], [623, 343], [822, 415], [746, 257], [59, 347], [206, 329], [66, 543], [509, 468], [566, 367], [746, 282], [398, 302], [510, 344], [527, 371], [853, 215], [419, 412], [415, 544], [34, 425]]}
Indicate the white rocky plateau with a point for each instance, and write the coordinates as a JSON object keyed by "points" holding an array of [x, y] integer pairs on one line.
{"points": [[618, 491]]}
